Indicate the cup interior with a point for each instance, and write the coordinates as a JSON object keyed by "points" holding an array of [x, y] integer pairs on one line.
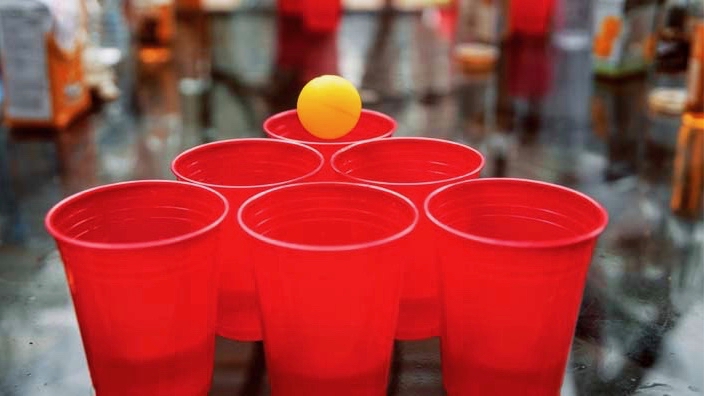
{"points": [[136, 213], [408, 161], [247, 163], [516, 212], [328, 216]]}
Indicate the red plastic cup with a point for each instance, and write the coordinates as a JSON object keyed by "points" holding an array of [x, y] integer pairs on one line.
{"points": [[328, 270], [371, 125], [140, 263], [239, 169], [414, 167], [515, 255]]}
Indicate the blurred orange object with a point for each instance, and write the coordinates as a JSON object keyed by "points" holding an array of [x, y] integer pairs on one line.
{"points": [[156, 29], [688, 181], [476, 57], [603, 46], [609, 30], [189, 5], [44, 78], [688, 178], [695, 79], [611, 27], [650, 47]]}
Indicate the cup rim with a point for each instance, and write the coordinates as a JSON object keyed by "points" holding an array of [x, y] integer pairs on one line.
{"points": [[288, 113], [49, 219], [475, 172], [328, 248], [553, 243], [228, 142]]}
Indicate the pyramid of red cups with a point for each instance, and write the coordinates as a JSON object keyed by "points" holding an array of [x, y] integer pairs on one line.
{"points": [[327, 240]]}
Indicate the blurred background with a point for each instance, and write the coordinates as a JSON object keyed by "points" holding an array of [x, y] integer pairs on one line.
{"points": [[604, 96]]}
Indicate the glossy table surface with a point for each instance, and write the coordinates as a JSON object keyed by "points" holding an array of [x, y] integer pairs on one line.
{"points": [[539, 115]]}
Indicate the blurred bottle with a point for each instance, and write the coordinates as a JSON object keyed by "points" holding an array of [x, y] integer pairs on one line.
{"points": [[695, 78], [107, 46], [573, 24], [668, 96], [115, 33], [665, 107], [669, 70], [193, 46], [479, 21], [94, 29], [620, 121], [672, 50], [624, 37], [189, 5], [155, 29], [688, 188], [478, 35]]}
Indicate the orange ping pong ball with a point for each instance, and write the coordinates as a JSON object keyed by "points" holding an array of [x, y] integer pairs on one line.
{"points": [[329, 107]]}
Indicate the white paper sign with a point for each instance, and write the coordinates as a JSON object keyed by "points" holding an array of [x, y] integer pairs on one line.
{"points": [[23, 30]]}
